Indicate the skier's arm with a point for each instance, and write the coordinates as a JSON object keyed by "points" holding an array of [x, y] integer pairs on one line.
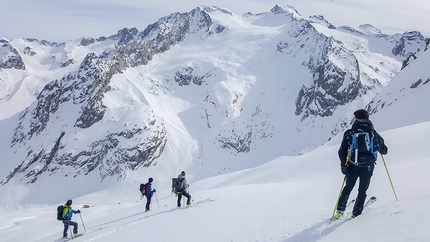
{"points": [[382, 148], [185, 184], [343, 149]]}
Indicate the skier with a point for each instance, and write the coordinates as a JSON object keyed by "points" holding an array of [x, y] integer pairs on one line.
{"points": [[184, 189], [361, 168], [67, 216], [149, 193]]}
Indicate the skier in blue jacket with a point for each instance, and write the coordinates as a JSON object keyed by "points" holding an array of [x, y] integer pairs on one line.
{"points": [[67, 216], [149, 193]]}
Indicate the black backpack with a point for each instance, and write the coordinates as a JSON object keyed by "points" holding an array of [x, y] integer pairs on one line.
{"points": [[363, 144], [60, 210], [176, 185]]}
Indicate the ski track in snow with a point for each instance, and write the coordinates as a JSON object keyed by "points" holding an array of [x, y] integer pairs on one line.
{"points": [[110, 227], [322, 229]]}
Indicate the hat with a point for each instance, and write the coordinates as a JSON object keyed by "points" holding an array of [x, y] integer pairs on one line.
{"points": [[150, 179], [69, 202], [183, 173], [361, 114]]}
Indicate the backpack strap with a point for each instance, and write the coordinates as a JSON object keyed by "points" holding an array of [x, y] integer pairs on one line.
{"points": [[354, 142], [356, 149], [180, 183], [144, 187]]}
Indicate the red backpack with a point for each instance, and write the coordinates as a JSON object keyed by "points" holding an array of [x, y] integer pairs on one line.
{"points": [[142, 188]]}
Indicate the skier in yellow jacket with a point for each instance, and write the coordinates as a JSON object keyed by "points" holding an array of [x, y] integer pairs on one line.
{"points": [[67, 216]]}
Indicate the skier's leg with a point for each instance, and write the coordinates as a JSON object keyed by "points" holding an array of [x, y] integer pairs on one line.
{"points": [[351, 179], [179, 199], [148, 202], [66, 227], [362, 189], [75, 227], [186, 194]]}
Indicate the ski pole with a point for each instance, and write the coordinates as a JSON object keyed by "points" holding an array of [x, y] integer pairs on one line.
{"points": [[82, 222], [156, 198], [337, 201], [389, 177]]}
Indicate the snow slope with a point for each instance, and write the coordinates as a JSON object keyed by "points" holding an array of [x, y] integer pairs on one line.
{"points": [[287, 199]]}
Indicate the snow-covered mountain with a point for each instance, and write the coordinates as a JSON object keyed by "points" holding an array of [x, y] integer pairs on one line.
{"points": [[289, 198], [207, 91]]}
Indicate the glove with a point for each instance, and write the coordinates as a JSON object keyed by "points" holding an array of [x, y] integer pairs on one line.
{"points": [[154, 190], [344, 170], [79, 211]]}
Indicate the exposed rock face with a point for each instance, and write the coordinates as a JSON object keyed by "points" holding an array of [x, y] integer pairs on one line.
{"points": [[110, 154], [87, 41], [334, 85], [403, 45], [9, 57], [331, 85], [186, 76], [173, 29]]}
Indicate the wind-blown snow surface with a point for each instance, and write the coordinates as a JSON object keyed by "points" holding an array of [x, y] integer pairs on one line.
{"points": [[287, 199]]}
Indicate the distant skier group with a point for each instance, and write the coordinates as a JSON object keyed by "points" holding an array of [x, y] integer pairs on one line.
{"points": [[357, 154], [179, 187]]}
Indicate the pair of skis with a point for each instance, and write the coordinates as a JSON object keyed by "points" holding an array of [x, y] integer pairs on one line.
{"points": [[368, 203], [70, 238]]}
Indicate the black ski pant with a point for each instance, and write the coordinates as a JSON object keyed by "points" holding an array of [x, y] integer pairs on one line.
{"points": [[185, 194], [365, 174], [148, 201], [66, 227]]}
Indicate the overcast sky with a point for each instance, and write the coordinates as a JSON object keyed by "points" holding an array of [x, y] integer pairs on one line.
{"points": [[62, 20]]}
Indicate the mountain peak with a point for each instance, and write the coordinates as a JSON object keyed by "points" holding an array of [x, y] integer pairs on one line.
{"points": [[369, 29], [209, 9], [124, 35], [284, 9]]}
